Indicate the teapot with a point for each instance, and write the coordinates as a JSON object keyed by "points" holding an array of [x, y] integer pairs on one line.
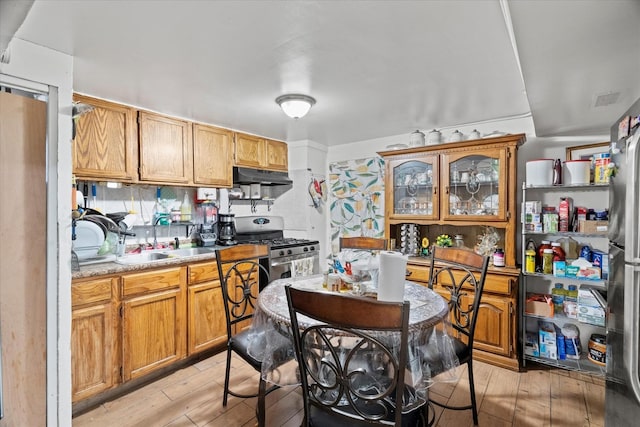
{"points": [[434, 137], [474, 134], [416, 139], [456, 136]]}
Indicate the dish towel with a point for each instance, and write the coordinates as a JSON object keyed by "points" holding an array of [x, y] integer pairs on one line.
{"points": [[302, 267]]}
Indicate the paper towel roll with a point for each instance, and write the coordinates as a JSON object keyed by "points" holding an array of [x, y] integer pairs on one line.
{"points": [[391, 278]]}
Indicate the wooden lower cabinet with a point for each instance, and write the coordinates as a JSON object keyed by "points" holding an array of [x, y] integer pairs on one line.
{"points": [[95, 364], [205, 308], [495, 339], [153, 320]]}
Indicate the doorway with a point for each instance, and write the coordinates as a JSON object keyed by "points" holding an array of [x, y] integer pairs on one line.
{"points": [[23, 256]]}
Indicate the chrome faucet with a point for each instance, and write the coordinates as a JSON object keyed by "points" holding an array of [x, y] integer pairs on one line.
{"points": [[155, 235]]}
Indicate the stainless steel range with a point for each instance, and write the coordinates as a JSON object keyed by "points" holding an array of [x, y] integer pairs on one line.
{"points": [[284, 251]]}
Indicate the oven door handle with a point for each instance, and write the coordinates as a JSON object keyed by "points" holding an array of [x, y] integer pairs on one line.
{"points": [[276, 263]]}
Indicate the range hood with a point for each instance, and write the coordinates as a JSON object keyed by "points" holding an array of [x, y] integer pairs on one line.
{"points": [[258, 176]]}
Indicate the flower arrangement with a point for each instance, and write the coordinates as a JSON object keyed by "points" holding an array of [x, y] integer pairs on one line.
{"points": [[444, 241]]}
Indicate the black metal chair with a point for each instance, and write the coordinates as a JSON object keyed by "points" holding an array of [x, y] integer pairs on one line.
{"points": [[370, 243], [241, 271], [461, 271], [351, 369]]}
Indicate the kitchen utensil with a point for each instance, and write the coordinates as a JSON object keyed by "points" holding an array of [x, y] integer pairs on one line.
{"points": [[416, 139]]}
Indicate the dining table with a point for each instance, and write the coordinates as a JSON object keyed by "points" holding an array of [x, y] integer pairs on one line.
{"points": [[431, 358]]}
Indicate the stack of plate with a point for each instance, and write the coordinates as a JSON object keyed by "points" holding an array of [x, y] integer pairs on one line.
{"points": [[89, 239]]}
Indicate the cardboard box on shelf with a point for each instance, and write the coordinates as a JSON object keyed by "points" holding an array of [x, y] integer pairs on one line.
{"points": [[593, 227], [601, 260], [539, 305], [533, 207], [531, 344], [547, 340]]}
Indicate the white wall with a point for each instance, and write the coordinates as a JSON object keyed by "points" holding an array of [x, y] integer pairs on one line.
{"points": [[41, 65]]}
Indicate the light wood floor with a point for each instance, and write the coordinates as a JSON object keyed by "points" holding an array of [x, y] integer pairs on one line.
{"points": [[193, 397]]}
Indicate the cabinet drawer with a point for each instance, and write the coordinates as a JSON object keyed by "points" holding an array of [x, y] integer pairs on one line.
{"points": [[92, 291], [151, 281], [418, 273], [494, 283], [202, 272]]}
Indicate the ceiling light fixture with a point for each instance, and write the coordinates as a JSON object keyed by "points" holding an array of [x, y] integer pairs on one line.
{"points": [[295, 105]]}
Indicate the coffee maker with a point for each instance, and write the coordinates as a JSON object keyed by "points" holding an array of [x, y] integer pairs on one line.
{"points": [[226, 230]]}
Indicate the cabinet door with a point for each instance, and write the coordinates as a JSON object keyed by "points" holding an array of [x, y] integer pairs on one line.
{"points": [[105, 145], [207, 321], [277, 155], [95, 361], [493, 327], [475, 185], [414, 190], [165, 149], [212, 156], [249, 150]]}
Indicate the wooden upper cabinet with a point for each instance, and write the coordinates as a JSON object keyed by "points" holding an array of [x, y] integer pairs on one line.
{"points": [[212, 156], [277, 155], [255, 152], [249, 150], [105, 144], [166, 153]]}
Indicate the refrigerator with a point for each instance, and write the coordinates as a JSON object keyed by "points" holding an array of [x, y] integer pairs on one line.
{"points": [[622, 395]]}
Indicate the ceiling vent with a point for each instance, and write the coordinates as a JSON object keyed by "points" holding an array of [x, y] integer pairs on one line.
{"points": [[606, 99]]}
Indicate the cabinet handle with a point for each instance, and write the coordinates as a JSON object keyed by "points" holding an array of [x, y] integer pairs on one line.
{"points": [[446, 190], [435, 190]]}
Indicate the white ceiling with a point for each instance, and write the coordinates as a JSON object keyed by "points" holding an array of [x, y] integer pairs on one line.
{"points": [[376, 68]]}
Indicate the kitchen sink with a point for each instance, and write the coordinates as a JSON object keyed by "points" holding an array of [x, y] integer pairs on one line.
{"points": [[150, 257], [191, 251], [142, 258]]}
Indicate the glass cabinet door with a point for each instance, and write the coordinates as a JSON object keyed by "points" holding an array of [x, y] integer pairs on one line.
{"points": [[415, 187], [475, 185]]}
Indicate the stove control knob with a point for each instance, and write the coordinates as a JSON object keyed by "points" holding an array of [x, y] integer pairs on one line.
{"points": [[289, 252], [305, 249], [313, 248], [281, 253]]}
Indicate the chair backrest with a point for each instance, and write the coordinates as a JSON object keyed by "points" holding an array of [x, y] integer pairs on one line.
{"points": [[460, 271], [241, 269], [371, 243], [352, 357]]}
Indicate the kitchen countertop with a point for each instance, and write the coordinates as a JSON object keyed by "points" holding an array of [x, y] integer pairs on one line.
{"points": [[111, 267]]}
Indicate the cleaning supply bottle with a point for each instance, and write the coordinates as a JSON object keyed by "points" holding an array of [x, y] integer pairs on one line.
{"points": [[571, 302], [557, 295], [185, 208]]}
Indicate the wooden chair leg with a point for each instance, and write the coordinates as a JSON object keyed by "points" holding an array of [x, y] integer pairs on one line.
{"points": [[226, 378]]}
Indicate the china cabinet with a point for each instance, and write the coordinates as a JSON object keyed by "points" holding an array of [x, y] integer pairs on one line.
{"points": [[538, 283], [465, 188]]}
